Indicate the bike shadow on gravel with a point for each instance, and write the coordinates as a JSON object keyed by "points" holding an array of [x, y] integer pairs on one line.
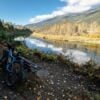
{"points": [[29, 83]]}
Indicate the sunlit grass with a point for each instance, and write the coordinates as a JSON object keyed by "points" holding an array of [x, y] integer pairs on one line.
{"points": [[90, 38]]}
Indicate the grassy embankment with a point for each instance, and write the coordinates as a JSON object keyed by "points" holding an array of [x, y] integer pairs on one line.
{"points": [[88, 69], [91, 39]]}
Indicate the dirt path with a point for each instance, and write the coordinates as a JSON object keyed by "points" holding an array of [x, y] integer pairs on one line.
{"points": [[54, 82], [62, 84], [8, 94]]}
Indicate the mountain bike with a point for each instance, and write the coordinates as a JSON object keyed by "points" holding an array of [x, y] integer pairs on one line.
{"points": [[15, 66]]}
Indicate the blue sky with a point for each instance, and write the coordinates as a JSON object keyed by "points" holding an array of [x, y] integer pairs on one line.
{"points": [[20, 11], [33, 11]]}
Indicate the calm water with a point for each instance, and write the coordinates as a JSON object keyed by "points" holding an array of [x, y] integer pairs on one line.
{"points": [[77, 52]]}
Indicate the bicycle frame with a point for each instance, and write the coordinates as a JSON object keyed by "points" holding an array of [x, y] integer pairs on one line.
{"points": [[11, 60]]}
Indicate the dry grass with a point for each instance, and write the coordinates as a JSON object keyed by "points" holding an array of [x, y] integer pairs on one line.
{"points": [[90, 38]]}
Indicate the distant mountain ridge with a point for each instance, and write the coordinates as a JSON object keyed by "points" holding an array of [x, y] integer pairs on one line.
{"points": [[92, 15]]}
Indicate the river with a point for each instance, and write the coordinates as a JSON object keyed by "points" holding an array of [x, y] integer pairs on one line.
{"points": [[77, 52]]}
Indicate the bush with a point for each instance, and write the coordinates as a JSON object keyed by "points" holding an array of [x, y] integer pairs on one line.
{"points": [[3, 35]]}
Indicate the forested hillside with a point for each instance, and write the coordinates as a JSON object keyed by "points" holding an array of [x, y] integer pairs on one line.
{"points": [[8, 31], [72, 24], [71, 28]]}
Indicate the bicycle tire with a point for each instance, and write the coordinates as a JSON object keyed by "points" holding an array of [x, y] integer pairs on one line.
{"points": [[11, 78]]}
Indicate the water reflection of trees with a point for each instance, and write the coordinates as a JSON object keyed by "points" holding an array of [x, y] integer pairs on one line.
{"points": [[83, 47]]}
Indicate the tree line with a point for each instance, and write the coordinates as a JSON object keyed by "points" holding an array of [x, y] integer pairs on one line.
{"points": [[8, 31]]}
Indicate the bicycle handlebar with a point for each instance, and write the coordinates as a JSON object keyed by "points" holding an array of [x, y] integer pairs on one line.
{"points": [[33, 66]]}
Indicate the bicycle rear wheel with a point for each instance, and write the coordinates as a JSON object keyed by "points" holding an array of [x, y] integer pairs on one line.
{"points": [[11, 78]]}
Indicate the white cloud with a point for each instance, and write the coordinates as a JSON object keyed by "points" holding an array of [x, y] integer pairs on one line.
{"points": [[72, 6]]}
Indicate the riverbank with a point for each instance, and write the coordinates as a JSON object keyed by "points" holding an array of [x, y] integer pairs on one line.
{"points": [[59, 84], [90, 69], [62, 79], [90, 39], [59, 79]]}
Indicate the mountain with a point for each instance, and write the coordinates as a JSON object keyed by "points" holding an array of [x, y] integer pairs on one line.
{"points": [[92, 15]]}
